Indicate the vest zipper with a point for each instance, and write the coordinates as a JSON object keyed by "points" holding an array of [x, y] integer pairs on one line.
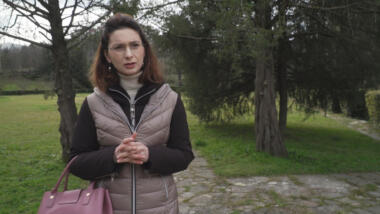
{"points": [[133, 127], [132, 111], [133, 201], [133, 175]]}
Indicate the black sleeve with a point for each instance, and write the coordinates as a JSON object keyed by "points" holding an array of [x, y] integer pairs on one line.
{"points": [[91, 162], [177, 155]]}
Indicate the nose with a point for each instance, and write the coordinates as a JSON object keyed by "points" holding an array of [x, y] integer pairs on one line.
{"points": [[128, 52]]}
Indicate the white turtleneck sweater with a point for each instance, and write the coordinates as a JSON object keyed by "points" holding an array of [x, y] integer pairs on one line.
{"points": [[130, 84]]}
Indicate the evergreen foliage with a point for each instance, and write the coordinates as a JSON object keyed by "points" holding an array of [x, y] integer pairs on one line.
{"points": [[335, 54], [327, 50], [216, 49]]}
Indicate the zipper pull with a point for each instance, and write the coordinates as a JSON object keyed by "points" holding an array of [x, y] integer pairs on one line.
{"points": [[133, 114]]}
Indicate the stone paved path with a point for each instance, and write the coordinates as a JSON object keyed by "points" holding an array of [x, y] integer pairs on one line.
{"points": [[201, 192], [361, 126]]}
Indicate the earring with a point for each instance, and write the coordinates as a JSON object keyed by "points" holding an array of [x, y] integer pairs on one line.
{"points": [[109, 68]]}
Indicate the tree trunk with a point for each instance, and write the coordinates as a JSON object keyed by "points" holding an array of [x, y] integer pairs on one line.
{"points": [[283, 50], [356, 106], [66, 103], [268, 136], [282, 84], [63, 80], [283, 91], [336, 105]]}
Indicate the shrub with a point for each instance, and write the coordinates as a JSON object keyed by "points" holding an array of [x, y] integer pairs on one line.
{"points": [[372, 99]]}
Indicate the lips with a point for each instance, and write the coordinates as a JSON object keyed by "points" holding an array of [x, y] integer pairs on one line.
{"points": [[129, 65]]}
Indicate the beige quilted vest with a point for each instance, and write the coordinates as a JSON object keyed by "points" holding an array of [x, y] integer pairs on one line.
{"points": [[155, 194]]}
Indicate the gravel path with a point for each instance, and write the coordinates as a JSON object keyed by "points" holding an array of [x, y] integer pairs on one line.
{"points": [[201, 192]]}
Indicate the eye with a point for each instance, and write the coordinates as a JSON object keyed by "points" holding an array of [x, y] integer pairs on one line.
{"points": [[118, 48], [135, 45]]}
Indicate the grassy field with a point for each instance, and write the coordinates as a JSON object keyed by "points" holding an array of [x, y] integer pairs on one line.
{"points": [[30, 149], [316, 145], [29, 152]]}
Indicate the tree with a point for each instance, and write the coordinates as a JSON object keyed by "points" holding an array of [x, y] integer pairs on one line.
{"points": [[57, 22], [335, 46], [223, 51], [321, 52], [282, 55], [268, 136], [214, 47]]}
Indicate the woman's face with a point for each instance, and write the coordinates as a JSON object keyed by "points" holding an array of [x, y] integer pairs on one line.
{"points": [[125, 51]]}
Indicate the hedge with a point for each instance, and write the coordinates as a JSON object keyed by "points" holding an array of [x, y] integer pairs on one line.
{"points": [[372, 99]]}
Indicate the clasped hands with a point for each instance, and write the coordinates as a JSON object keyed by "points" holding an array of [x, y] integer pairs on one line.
{"points": [[130, 151]]}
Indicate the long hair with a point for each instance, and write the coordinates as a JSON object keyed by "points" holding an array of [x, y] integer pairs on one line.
{"points": [[100, 75]]}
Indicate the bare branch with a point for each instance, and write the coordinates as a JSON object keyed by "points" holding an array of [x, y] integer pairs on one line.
{"points": [[44, 4], [21, 8], [75, 4], [154, 8], [30, 17], [64, 7], [77, 43], [46, 37], [195, 37], [73, 26], [25, 40], [72, 18], [15, 21], [84, 9], [307, 6], [161, 5], [85, 29], [34, 6]]}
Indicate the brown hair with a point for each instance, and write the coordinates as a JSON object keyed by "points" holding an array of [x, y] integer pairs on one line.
{"points": [[100, 75]]}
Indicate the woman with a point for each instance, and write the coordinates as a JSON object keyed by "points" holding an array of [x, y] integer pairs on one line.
{"points": [[131, 133]]}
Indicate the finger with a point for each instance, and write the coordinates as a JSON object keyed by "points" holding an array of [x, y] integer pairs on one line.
{"points": [[134, 146], [130, 160], [142, 156], [127, 140], [121, 156], [126, 154], [134, 135], [141, 147], [130, 139], [121, 148]]}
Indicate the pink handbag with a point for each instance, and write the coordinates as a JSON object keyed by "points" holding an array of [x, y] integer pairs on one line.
{"points": [[79, 201]]}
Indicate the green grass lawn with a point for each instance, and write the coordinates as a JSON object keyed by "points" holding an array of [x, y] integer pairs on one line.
{"points": [[30, 150], [316, 145]]}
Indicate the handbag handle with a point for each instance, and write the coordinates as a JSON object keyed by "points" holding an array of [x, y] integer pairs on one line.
{"points": [[65, 172]]}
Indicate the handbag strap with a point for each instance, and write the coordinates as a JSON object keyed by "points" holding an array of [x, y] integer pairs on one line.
{"points": [[66, 172]]}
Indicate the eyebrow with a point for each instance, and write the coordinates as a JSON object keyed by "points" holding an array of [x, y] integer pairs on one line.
{"points": [[120, 42]]}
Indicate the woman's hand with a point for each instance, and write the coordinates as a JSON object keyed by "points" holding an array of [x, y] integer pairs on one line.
{"points": [[130, 151]]}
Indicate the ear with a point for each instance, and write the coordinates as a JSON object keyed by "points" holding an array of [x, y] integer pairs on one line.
{"points": [[107, 56]]}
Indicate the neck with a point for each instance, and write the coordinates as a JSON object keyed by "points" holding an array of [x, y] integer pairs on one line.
{"points": [[131, 84]]}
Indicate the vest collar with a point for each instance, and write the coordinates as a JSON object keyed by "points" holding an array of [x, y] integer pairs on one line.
{"points": [[117, 92]]}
